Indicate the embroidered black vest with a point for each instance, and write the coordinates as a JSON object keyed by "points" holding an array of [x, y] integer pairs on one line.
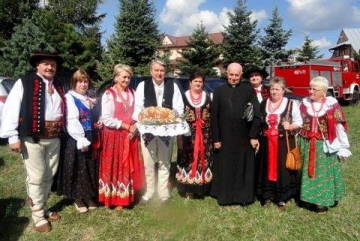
{"points": [[150, 95], [32, 110]]}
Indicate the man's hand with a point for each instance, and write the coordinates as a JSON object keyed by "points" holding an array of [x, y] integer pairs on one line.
{"points": [[217, 145], [255, 144], [16, 147], [180, 142]]}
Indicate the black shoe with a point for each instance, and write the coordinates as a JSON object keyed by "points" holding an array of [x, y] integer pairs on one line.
{"points": [[335, 204], [321, 209], [282, 206], [266, 203], [91, 203], [189, 195]]}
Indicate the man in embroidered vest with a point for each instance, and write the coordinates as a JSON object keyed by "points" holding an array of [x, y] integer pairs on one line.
{"points": [[32, 120], [157, 149], [256, 75]]}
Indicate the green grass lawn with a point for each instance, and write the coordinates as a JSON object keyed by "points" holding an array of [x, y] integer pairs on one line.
{"points": [[185, 219]]}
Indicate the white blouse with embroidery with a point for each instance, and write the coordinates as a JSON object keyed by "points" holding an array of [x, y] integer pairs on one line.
{"points": [[340, 130]]}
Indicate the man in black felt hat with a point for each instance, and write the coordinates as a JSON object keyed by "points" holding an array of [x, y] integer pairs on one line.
{"points": [[32, 120], [256, 75]]}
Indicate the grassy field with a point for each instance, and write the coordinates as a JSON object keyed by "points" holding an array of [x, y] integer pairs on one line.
{"points": [[185, 219]]}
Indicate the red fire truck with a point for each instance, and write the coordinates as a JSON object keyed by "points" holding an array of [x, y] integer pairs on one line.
{"points": [[343, 76]]}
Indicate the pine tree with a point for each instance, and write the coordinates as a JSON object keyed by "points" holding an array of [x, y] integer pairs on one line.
{"points": [[80, 48], [203, 54], [275, 39], [357, 55], [307, 51], [75, 35], [26, 39], [136, 38], [11, 14], [80, 13], [240, 37]]}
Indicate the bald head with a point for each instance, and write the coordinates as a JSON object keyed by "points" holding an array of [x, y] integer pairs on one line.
{"points": [[234, 73]]}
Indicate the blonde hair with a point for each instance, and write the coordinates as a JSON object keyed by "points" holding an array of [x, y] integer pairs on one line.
{"points": [[320, 81], [120, 68], [278, 80]]}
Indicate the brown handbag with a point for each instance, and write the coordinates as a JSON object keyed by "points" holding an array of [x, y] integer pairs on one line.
{"points": [[293, 157]]}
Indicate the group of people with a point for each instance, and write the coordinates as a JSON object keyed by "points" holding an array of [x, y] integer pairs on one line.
{"points": [[235, 150]]}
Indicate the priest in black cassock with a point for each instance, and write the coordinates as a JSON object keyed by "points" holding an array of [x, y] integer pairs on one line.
{"points": [[235, 140]]}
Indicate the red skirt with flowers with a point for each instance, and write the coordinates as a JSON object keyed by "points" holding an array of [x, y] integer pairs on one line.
{"points": [[121, 171]]}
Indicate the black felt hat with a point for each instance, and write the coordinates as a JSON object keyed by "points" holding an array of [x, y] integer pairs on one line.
{"points": [[253, 69], [38, 56]]}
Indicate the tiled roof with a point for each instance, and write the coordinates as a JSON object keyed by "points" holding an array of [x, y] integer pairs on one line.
{"points": [[350, 37], [181, 41]]}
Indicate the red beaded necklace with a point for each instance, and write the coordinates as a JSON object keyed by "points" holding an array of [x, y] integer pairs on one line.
{"points": [[195, 101], [316, 112], [277, 106]]}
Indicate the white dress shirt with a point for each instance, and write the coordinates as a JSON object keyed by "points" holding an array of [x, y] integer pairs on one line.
{"points": [[177, 102]]}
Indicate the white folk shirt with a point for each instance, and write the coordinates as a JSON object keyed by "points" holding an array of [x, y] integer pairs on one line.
{"points": [[108, 108], [73, 125], [11, 111], [258, 93], [177, 101], [295, 112]]}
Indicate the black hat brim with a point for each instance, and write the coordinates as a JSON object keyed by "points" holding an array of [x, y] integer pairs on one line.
{"points": [[253, 69], [37, 57]]}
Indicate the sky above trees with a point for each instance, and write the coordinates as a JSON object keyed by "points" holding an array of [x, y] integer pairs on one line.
{"points": [[321, 20]]}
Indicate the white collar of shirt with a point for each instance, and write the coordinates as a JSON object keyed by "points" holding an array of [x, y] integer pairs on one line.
{"points": [[44, 80], [77, 95], [258, 88], [156, 85]]}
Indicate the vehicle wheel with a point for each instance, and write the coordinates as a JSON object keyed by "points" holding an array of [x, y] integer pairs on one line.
{"points": [[355, 98]]}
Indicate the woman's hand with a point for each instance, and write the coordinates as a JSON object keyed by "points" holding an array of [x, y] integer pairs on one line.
{"points": [[99, 125], [287, 125], [217, 145], [132, 131], [84, 149]]}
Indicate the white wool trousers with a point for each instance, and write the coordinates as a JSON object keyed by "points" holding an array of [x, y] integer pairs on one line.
{"points": [[41, 163], [157, 152]]}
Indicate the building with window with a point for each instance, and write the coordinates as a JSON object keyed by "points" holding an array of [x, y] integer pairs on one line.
{"points": [[172, 47], [347, 45]]}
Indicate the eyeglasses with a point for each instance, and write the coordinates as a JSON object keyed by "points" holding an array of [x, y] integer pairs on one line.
{"points": [[313, 89]]}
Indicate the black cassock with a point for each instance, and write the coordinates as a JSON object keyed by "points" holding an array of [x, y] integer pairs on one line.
{"points": [[234, 170]]}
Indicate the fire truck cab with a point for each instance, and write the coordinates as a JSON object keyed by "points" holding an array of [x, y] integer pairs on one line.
{"points": [[343, 76]]}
